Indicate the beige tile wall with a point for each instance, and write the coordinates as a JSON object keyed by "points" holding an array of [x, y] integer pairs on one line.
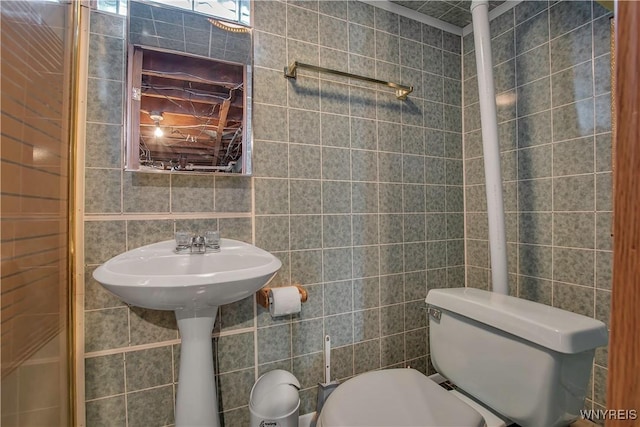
{"points": [[552, 71], [359, 194]]}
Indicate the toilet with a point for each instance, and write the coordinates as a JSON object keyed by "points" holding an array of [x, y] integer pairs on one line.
{"points": [[511, 360]]}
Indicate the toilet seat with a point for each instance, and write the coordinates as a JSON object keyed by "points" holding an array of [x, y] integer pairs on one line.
{"points": [[395, 398]]}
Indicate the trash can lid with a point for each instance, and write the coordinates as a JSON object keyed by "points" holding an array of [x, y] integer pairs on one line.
{"points": [[275, 394]]}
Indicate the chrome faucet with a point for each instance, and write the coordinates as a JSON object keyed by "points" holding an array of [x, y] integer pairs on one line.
{"points": [[197, 244]]}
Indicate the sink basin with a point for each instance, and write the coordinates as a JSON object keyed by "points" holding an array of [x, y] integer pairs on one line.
{"points": [[192, 286], [156, 277]]}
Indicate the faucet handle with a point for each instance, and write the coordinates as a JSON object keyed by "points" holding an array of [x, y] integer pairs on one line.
{"points": [[212, 239], [183, 239]]}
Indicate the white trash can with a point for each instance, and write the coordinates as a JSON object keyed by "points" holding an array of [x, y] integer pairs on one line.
{"points": [[274, 400]]}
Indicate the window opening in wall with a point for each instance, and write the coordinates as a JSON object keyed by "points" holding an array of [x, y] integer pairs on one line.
{"points": [[118, 7], [187, 113], [232, 10]]}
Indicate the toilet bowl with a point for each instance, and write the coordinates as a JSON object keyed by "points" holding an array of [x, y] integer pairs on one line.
{"points": [[402, 398], [509, 357]]}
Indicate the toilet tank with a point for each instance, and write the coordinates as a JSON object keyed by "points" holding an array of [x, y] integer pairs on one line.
{"points": [[527, 361]]}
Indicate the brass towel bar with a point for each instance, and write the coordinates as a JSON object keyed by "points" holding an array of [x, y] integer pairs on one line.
{"points": [[291, 72]]}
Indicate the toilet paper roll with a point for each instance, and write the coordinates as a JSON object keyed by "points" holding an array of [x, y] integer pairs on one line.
{"points": [[284, 300]]}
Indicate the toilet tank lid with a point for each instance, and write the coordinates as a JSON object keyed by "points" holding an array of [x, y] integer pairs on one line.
{"points": [[550, 327]]}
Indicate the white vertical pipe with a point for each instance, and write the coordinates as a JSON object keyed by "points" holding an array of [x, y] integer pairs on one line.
{"points": [[491, 147]]}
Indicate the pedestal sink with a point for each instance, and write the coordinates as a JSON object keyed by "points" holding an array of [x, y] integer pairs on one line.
{"points": [[193, 286]]}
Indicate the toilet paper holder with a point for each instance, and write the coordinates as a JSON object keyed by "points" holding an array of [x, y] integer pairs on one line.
{"points": [[262, 296]]}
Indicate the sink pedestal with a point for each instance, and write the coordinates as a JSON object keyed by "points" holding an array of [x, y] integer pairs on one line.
{"points": [[197, 402]]}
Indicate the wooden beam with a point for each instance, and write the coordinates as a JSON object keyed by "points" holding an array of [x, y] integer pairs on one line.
{"points": [[172, 119], [185, 99], [190, 78], [185, 108], [623, 388], [222, 123], [177, 81], [177, 143], [178, 94]]}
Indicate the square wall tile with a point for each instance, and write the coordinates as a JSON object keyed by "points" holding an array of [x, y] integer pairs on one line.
{"points": [[565, 16], [148, 368], [232, 194], [150, 326], [533, 64], [272, 196], [95, 295], [535, 261], [141, 233], [333, 33], [111, 410], [366, 293], [364, 197], [302, 24], [366, 356], [532, 32], [235, 352], [306, 196], [366, 261], [103, 145], [574, 193], [307, 336], [573, 298], [535, 289], [342, 362], [274, 343], [104, 376], [340, 328], [534, 129], [361, 40], [574, 266], [304, 128], [145, 192], [337, 264], [106, 329], [336, 197], [306, 231], [238, 384], [338, 297], [308, 369], [237, 315], [106, 105], [573, 229], [272, 232], [573, 120], [306, 267], [392, 350], [571, 48], [366, 325]]}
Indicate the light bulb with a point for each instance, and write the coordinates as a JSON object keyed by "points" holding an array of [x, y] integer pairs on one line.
{"points": [[158, 132]]}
